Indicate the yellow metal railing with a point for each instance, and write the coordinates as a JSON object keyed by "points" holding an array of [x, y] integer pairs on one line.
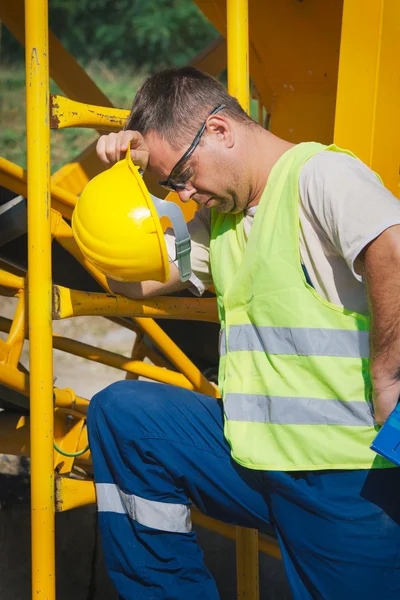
{"points": [[39, 299]]}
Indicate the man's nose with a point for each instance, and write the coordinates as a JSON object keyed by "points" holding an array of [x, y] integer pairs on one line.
{"points": [[186, 194]]}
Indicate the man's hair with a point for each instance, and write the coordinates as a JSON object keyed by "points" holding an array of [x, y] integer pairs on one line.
{"points": [[175, 102]]}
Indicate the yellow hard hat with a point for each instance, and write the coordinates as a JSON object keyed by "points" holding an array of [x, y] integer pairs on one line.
{"points": [[116, 224]]}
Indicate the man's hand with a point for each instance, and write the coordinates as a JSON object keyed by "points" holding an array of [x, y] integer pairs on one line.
{"points": [[381, 266], [386, 391], [112, 147]]}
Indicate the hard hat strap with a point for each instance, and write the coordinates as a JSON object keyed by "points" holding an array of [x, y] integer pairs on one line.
{"points": [[172, 211]]}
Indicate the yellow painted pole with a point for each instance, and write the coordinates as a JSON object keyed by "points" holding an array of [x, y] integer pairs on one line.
{"points": [[237, 12], [237, 15], [39, 298]]}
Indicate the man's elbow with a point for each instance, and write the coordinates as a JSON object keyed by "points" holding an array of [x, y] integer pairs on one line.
{"points": [[133, 290]]}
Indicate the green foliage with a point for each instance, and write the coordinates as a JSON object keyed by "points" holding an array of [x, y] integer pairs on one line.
{"points": [[144, 34], [66, 144]]}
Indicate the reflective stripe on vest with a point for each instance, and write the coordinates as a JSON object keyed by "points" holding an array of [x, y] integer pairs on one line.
{"points": [[280, 410], [294, 375], [163, 516], [297, 340]]}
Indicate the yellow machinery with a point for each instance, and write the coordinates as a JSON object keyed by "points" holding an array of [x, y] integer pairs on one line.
{"points": [[323, 71]]}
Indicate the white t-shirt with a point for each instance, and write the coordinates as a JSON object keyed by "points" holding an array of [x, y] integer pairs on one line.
{"points": [[343, 207]]}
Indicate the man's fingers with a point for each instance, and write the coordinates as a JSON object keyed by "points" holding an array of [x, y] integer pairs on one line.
{"points": [[140, 158], [126, 137], [101, 149], [117, 149], [112, 147]]}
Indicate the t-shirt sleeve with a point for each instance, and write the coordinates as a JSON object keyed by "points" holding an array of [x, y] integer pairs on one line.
{"points": [[199, 230], [346, 200]]}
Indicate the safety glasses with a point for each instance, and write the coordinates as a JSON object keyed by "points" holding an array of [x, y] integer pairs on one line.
{"points": [[176, 180]]}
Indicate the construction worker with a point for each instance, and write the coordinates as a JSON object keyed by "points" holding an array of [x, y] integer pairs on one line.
{"points": [[302, 244]]}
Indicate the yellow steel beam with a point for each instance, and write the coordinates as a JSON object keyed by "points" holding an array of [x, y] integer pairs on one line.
{"points": [[237, 16], [367, 119], [73, 303], [39, 299], [19, 381], [135, 367], [9, 280], [154, 356], [14, 178], [18, 329], [14, 434], [70, 113], [139, 352]]}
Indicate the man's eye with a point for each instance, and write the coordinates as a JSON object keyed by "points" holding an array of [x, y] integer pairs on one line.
{"points": [[185, 175]]}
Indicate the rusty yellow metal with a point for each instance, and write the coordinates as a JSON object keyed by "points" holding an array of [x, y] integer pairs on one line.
{"points": [[39, 299], [70, 113], [72, 493], [74, 303], [367, 119], [14, 178]]}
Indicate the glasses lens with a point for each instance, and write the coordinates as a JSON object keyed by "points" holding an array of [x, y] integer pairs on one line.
{"points": [[172, 187]]}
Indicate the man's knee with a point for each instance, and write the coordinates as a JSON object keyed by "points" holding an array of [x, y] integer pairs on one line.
{"points": [[127, 405]]}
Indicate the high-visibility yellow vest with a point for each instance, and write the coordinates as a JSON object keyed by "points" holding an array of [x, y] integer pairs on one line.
{"points": [[294, 368]]}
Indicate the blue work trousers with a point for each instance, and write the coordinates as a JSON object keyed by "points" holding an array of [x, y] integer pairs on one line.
{"points": [[156, 449]]}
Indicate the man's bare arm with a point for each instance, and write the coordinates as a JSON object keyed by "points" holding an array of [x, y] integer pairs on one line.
{"points": [[149, 289], [381, 267]]}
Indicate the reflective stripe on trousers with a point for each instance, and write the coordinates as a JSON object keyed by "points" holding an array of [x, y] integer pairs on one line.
{"points": [[163, 516], [281, 410], [302, 341]]}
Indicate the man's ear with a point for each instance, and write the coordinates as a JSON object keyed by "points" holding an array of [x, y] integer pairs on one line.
{"points": [[222, 129]]}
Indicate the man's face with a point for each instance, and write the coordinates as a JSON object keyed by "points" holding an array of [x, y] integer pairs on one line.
{"points": [[211, 176]]}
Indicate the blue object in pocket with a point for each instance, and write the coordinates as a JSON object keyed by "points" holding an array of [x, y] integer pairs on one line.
{"points": [[387, 442]]}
